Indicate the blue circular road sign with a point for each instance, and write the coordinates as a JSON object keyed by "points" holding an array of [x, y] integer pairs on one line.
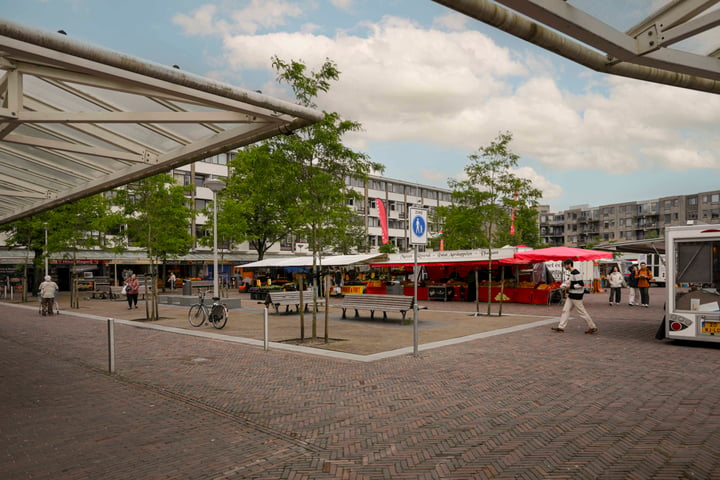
{"points": [[418, 226]]}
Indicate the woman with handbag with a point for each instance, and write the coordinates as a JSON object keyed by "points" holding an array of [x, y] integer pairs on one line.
{"points": [[132, 287]]}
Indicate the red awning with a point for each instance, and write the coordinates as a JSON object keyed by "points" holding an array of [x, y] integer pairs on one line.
{"points": [[561, 253]]}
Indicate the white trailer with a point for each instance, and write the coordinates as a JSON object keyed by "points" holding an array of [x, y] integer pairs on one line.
{"points": [[692, 254]]}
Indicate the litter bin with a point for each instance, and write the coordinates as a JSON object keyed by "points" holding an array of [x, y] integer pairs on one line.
{"points": [[394, 288], [187, 287]]}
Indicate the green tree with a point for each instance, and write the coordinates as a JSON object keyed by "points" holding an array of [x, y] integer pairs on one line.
{"points": [[485, 198], [157, 217], [259, 204], [322, 162], [28, 233], [388, 248], [74, 226]]}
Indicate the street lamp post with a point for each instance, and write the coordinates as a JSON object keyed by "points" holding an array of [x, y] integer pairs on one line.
{"points": [[47, 270], [215, 186]]}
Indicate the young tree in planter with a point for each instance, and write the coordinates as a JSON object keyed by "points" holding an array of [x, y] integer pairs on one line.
{"points": [[28, 233], [157, 217], [322, 161], [485, 198], [78, 225]]}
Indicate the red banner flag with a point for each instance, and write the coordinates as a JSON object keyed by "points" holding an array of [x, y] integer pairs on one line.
{"points": [[383, 220]]}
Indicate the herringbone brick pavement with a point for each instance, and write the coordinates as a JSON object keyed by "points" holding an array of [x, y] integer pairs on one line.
{"points": [[525, 405]]}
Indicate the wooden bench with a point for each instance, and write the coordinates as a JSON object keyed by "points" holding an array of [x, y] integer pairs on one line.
{"points": [[103, 291], [377, 302], [117, 292], [291, 299]]}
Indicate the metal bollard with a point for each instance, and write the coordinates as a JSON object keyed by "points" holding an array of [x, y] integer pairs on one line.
{"points": [[265, 326], [111, 345]]}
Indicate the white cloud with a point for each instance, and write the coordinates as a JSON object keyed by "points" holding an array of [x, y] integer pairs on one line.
{"points": [[550, 191], [458, 89], [451, 21], [257, 15], [342, 4], [200, 22]]}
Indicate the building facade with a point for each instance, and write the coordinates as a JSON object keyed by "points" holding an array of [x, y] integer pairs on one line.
{"points": [[583, 225], [397, 195]]}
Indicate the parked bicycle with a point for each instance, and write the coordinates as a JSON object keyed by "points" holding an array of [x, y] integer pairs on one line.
{"points": [[215, 314]]}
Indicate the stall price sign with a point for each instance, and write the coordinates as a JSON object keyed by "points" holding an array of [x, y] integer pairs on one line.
{"points": [[418, 226]]}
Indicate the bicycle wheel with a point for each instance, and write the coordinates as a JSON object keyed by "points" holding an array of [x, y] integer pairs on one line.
{"points": [[196, 315], [219, 316]]}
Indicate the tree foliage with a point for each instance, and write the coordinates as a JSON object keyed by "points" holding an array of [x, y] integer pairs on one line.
{"points": [[259, 202], [485, 199], [74, 226], [320, 161], [156, 215]]}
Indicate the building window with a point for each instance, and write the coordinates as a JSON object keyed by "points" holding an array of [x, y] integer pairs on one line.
{"points": [[377, 185], [692, 201]]}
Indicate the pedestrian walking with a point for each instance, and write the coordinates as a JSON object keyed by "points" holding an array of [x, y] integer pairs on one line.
{"points": [[575, 288], [48, 290], [132, 288]]}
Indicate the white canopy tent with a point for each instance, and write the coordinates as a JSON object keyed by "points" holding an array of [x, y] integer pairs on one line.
{"points": [[76, 120]]}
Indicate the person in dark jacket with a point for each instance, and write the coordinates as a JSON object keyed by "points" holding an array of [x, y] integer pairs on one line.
{"points": [[575, 287], [633, 293]]}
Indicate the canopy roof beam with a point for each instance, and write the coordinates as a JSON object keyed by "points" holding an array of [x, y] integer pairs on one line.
{"points": [[642, 53], [76, 120]]}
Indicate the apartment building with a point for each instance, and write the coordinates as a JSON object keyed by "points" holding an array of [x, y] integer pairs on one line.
{"points": [[397, 195], [582, 225]]}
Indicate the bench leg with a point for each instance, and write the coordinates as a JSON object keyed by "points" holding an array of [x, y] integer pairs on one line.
{"points": [[384, 315], [372, 314], [343, 315], [356, 313]]}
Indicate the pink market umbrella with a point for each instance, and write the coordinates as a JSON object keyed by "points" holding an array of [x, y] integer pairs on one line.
{"points": [[561, 253]]}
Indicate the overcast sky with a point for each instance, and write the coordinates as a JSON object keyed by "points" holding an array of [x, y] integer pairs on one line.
{"points": [[431, 86]]}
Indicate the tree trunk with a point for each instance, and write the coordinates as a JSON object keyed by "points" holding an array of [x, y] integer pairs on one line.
{"points": [[327, 304], [301, 287]]}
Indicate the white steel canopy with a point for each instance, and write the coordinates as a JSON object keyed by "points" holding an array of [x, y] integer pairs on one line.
{"points": [[654, 50], [76, 120]]}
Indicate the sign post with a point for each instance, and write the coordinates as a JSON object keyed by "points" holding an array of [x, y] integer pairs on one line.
{"points": [[418, 236]]}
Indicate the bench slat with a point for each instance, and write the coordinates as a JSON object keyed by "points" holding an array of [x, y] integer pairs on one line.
{"points": [[373, 302], [288, 299]]}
